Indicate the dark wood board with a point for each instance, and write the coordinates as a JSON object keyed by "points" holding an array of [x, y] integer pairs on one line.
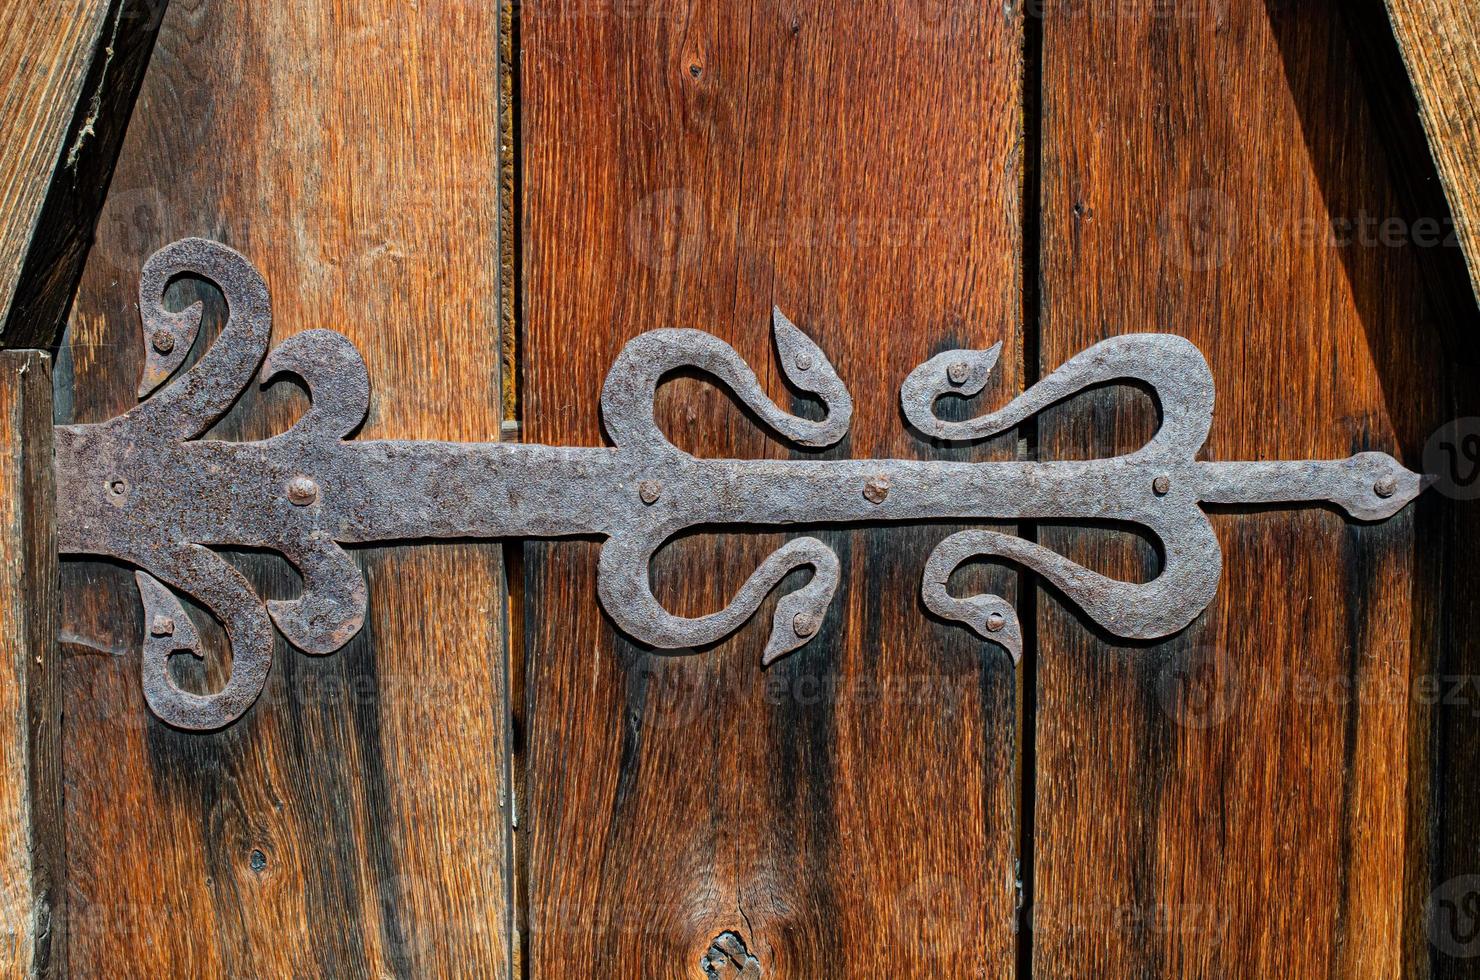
{"points": [[1254, 797], [692, 164], [1435, 47], [33, 904], [355, 823]]}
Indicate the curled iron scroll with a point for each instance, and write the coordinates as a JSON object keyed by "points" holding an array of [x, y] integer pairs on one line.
{"points": [[627, 412], [149, 489], [1179, 377]]}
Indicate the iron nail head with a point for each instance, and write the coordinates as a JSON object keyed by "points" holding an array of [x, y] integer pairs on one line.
{"points": [[995, 622], [875, 490], [649, 491], [958, 373], [162, 626], [1162, 485], [162, 341], [1386, 487], [806, 624], [302, 491]]}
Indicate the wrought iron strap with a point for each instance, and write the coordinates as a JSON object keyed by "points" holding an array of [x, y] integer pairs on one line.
{"points": [[146, 489]]}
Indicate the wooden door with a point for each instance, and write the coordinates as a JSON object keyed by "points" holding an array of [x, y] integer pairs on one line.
{"points": [[490, 200]]}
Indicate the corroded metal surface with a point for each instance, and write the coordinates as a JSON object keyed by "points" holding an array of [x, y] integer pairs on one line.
{"points": [[145, 488]]}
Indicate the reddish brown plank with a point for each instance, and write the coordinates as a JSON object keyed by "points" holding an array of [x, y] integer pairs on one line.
{"points": [[1249, 798], [850, 811], [355, 822], [32, 903]]}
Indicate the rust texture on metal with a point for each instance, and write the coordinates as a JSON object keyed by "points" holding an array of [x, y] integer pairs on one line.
{"points": [[147, 489]]}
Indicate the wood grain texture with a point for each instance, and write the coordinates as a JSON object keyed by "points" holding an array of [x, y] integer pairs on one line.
{"points": [[32, 910], [850, 810], [1440, 41], [1443, 867], [45, 50], [69, 71], [1250, 798], [1434, 143], [355, 823]]}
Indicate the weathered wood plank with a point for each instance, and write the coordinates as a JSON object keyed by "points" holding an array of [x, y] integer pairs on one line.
{"points": [[1440, 41], [32, 911], [355, 823], [850, 810], [1244, 799], [69, 71], [45, 50]]}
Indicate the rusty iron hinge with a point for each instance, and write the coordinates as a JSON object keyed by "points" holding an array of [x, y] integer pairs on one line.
{"points": [[146, 489]]}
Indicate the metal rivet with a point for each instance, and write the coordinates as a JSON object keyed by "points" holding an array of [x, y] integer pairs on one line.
{"points": [[876, 489], [650, 491], [162, 626], [958, 372], [805, 624], [118, 487], [302, 491], [995, 622], [804, 362], [163, 341], [1162, 485], [1386, 487]]}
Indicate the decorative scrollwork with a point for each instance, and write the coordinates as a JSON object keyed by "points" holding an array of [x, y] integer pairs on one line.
{"points": [[628, 599], [146, 488], [1179, 378], [632, 383], [627, 411], [331, 607], [1171, 366]]}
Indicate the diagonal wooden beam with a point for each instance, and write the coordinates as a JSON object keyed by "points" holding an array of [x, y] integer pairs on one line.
{"points": [[69, 72], [1440, 40]]}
